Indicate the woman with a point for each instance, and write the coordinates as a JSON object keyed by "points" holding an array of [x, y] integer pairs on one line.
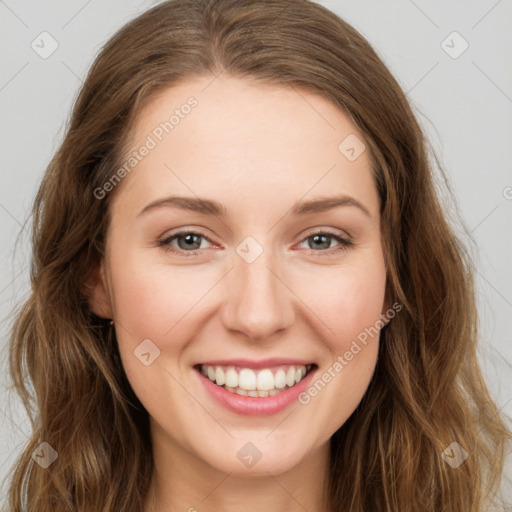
{"points": [[190, 345]]}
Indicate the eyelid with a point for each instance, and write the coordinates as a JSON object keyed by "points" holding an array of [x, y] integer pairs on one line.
{"points": [[328, 231], [309, 232]]}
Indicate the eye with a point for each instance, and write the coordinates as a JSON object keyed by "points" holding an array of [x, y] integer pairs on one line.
{"points": [[188, 242], [322, 241]]}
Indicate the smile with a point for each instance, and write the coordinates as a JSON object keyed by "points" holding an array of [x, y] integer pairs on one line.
{"points": [[261, 383]]}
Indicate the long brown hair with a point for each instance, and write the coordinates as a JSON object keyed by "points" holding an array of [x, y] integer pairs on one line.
{"points": [[427, 391]]}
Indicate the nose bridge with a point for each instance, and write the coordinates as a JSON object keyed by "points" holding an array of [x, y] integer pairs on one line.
{"points": [[258, 303]]}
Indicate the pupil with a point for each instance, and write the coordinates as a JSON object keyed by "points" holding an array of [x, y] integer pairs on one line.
{"points": [[189, 240], [325, 237]]}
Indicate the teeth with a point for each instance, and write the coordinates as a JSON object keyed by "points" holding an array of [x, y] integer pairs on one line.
{"points": [[265, 380], [248, 382], [280, 379], [290, 377], [220, 378], [231, 378]]}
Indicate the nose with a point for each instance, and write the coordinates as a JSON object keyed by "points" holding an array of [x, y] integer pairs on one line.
{"points": [[258, 301]]}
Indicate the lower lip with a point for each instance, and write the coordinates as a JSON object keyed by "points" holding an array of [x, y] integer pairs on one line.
{"points": [[256, 406]]}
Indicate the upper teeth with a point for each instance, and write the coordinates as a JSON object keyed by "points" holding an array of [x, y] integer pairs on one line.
{"points": [[265, 379]]}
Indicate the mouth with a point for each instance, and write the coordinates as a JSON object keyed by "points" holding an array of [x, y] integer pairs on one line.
{"points": [[255, 380]]}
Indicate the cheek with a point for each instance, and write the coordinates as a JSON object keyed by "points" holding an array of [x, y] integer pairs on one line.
{"points": [[155, 301], [351, 310], [159, 303], [348, 300]]}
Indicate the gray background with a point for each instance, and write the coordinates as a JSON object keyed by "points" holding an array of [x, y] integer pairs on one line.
{"points": [[463, 103]]}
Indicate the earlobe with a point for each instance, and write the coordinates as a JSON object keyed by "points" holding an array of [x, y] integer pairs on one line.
{"points": [[97, 291]]}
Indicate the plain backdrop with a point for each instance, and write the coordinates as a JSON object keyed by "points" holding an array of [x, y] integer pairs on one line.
{"points": [[453, 59]]}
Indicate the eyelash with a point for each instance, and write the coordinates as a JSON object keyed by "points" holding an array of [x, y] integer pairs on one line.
{"points": [[344, 244]]}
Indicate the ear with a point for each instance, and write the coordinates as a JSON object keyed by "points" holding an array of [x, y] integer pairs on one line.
{"points": [[99, 298]]}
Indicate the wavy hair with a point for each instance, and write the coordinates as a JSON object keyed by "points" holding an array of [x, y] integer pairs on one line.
{"points": [[427, 390]]}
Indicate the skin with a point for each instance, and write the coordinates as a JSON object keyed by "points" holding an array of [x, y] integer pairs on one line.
{"points": [[256, 149]]}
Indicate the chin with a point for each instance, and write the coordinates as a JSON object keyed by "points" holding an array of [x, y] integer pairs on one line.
{"points": [[255, 458]]}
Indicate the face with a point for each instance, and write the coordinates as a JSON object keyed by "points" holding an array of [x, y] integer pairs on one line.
{"points": [[253, 289]]}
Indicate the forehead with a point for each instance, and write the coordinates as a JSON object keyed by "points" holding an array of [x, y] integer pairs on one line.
{"points": [[217, 136]]}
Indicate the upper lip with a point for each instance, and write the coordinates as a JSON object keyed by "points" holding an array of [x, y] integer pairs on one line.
{"points": [[263, 363]]}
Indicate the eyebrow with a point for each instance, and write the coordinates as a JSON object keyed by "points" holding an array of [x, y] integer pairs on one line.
{"points": [[211, 207]]}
